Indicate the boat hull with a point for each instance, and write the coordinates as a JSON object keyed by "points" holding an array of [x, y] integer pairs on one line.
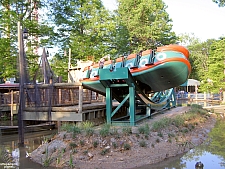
{"points": [[168, 69]]}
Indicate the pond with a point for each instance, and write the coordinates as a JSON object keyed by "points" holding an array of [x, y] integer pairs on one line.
{"points": [[211, 153], [12, 156]]}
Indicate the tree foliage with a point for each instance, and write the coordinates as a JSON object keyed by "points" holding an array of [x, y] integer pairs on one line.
{"points": [[26, 12], [85, 26], [147, 23], [214, 79], [217, 136], [221, 3]]}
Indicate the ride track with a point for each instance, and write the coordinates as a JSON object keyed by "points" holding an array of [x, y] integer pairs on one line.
{"points": [[130, 81]]}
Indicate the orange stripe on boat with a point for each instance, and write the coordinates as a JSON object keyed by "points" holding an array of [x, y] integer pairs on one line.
{"points": [[131, 56], [87, 68], [108, 62], [177, 48], [185, 61], [95, 66], [90, 79], [146, 52], [121, 59]]}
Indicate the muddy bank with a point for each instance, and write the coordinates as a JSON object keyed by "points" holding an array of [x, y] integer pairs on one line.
{"points": [[127, 147]]}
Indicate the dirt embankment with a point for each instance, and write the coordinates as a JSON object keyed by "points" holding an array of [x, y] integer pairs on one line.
{"points": [[123, 148]]}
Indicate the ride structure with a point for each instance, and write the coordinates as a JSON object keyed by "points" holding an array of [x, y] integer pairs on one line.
{"points": [[142, 83]]}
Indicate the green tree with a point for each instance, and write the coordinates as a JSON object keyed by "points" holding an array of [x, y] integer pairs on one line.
{"points": [[147, 22], [221, 3], [85, 26], [214, 78], [27, 13], [199, 55], [59, 66]]}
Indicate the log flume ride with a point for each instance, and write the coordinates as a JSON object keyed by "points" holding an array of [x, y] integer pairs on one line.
{"points": [[148, 78]]}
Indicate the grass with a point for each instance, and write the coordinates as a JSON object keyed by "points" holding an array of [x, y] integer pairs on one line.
{"points": [[144, 129], [118, 138], [48, 159], [105, 130], [126, 146], [127, 131], [179, 120], [72, 128], [142, 143]]}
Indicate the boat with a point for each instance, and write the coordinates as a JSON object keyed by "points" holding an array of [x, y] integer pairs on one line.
{"points": [[153, 71]]}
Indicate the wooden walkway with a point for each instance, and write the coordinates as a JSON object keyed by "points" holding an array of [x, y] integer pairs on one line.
{"points": [[90, 111]]}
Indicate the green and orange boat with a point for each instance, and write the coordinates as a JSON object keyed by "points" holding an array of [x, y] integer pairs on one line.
{"points": [[153, 71]]}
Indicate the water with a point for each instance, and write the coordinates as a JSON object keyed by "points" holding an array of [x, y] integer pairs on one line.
{"points": [[210, 153], [189, 159], [12, 156], [212, 157]]}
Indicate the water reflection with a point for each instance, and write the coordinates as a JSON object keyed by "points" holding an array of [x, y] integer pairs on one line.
{"points": [[202, 103], [11, 156], [211, 153]]}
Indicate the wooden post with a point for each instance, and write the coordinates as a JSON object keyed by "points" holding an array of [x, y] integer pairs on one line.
{"points": [[223, 97], [205, 96], [21, 99], [59, 126], [80, 99], [11, 105]]}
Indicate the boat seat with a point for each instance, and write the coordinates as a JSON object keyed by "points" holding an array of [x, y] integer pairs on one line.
{"points": [[119, 62], [94, 71], [146, 58], [108, 64], [86, 73], [131, 61]]}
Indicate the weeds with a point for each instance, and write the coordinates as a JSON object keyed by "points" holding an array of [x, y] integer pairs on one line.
{"points": [[47, 159], [126, 146], [73, 145], [144, 129], [142, 143], [82, 143], [127, 131], [71, 161], [162, 123], [104, 152], [95, 144], [86, 125], [114, 145], [104, 131]]}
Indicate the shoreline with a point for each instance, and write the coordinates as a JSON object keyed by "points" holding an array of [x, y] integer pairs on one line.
{"points": [[140, 150]]}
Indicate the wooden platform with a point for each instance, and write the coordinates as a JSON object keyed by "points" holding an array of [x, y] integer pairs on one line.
{"points": [[68, 113], [5, 130]]}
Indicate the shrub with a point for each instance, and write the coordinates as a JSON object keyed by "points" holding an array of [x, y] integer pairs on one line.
{"points": [[178, 120], [73, 145], [114, 145], [127, 131], [87, 125], [104, 151], [144, 129], [89, 132], [162, 123], [114, 131], [95, 144], [104, 131], [126, 146], [160, 134], [142, 143], [82, 143]]}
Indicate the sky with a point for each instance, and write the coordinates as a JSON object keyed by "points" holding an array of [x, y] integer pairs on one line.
{"points": [[203, 18]]}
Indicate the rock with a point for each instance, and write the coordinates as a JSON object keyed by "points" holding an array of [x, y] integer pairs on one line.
{"points": [[107, 147], [90, 155]]}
